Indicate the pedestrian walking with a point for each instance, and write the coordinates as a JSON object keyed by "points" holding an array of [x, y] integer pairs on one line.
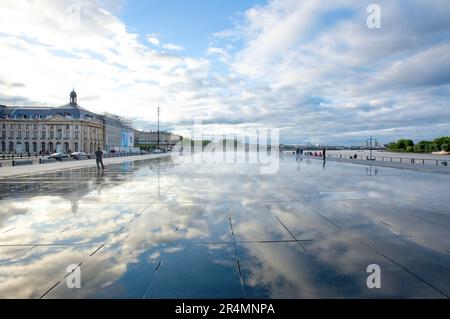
{"points": [[99, 158]]}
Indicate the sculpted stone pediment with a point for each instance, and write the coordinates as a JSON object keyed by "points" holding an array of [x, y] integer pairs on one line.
{"points": [[57, 118]]}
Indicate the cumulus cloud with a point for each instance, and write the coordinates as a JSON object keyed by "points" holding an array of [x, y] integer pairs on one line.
{"points": [[173, 47], [335, 80], [98, 56], [311, 68], [153, 40]]}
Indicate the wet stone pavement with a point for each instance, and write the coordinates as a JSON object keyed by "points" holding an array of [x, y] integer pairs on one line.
{"points": [[159, 229]]}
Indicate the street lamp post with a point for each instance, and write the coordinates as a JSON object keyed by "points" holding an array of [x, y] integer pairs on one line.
{"points": [[158, 123], [369, 142]]}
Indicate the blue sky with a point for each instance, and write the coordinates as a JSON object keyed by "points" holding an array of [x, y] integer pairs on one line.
{"points": [[311, 68], [185, 23]]}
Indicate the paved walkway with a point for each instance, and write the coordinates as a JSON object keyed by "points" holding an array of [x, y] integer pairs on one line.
{"points": [[13, 171], [416, 167], [190, 230]]}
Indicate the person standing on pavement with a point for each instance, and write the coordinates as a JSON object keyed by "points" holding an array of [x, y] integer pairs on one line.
{"points": [[99, 158], [323, 153]]}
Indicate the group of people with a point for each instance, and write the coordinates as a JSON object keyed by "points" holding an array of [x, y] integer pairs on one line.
{"points": [[299, 152], [47, 152]]}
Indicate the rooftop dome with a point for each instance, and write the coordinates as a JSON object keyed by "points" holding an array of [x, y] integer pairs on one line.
{"points": [[73, 97]]}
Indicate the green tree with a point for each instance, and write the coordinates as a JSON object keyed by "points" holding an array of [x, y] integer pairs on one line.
{"points": [[205, 143], [422, 147], [146, 147], [404, 143], [393, 146], [441, 143]]}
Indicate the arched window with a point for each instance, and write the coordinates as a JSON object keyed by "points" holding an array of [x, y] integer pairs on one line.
{"points": [[27, 147], [3, 147], [50, 147], [11, 147], [19, 148], [34, 147], [58, 147], [43, 147], [76, 147]]}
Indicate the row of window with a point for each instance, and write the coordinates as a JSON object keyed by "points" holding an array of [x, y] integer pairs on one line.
{"points": [[33, 147], [43, 147], [27, 134], [59, 134], [85, 132], [35, 126]]}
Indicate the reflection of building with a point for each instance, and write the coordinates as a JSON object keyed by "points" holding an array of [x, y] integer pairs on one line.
{"points": [[119, 135], [74, 205], [166, 139], [45, 129]]}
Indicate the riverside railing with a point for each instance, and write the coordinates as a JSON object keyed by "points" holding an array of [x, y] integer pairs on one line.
{"points": [[11, 156], [393, 159]]}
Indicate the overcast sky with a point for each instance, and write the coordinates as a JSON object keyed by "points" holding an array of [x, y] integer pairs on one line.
{"points": [[311, 68]]}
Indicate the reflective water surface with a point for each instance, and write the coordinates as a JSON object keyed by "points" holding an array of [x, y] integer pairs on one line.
{"points": [[156, 229]]}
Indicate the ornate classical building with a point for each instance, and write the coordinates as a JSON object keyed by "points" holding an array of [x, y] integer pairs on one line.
{"points": [[68, 128]]}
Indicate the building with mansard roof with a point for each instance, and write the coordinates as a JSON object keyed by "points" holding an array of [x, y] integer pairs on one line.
{"points": [[67, 128]]}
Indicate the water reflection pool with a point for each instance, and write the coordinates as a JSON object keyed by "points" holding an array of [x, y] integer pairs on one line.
{"points": [[156, 229]]}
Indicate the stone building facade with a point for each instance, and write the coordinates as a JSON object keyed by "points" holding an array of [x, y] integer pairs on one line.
{"points": [[118, 133], [68, 128], [166, 139]]}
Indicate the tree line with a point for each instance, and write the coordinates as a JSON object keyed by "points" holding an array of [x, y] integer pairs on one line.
{"points": [[436, 145]]}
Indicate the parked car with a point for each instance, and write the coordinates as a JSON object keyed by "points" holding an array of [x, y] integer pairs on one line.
{"points": [[157, 151], [79, 155], [58, 156]]}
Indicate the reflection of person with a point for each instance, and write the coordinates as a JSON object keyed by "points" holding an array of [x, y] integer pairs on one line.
{"points": [[99, 158], [100, 178], [99, 181]]}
